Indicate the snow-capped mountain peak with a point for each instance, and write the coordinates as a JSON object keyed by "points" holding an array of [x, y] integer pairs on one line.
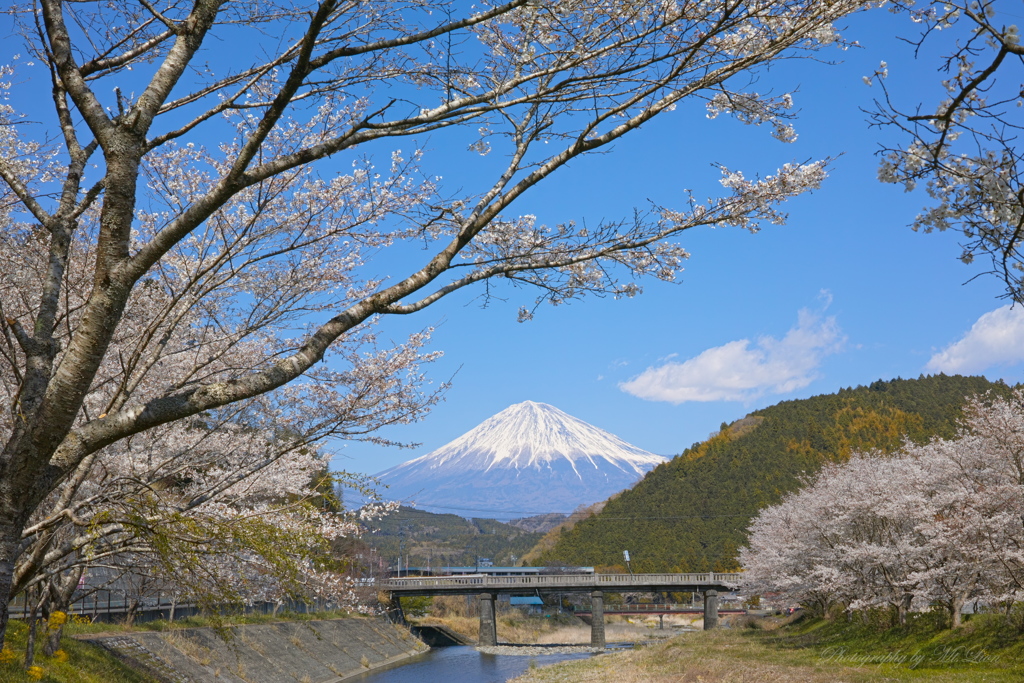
{"points": [[529, 433], [530, 445]]}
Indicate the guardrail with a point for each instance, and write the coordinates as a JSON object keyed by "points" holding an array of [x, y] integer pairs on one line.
{"points": [[594, 581]]}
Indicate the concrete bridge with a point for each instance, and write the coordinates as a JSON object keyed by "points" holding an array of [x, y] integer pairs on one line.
{"points": [[489, 587]]}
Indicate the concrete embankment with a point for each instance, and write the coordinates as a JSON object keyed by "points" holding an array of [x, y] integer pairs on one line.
{"points": [[284, 652]]}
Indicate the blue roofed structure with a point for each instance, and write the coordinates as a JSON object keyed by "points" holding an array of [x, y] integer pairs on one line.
{"points": [[525, 600]]}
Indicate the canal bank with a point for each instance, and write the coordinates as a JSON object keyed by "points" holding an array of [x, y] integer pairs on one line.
{"points": [[327, 651]]}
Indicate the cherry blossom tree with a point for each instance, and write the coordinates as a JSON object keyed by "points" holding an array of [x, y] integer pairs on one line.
{"points": [[182, 501], [202, 216], [982, 518], [223, 516], [938, 523], [846, 538], [787, 560], [964, 148], [213, 515]]}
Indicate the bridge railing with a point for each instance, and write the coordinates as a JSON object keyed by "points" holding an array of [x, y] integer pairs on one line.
{"points": [[662, 608], [596, 581]]}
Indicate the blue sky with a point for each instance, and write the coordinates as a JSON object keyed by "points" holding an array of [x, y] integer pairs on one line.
{"points": [[844, 294]]}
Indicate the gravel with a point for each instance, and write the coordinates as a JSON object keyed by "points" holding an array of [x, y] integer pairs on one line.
{"points": [[538, 650]]}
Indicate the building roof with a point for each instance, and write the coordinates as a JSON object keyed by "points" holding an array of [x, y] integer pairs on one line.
{"points": [[527, 600]]}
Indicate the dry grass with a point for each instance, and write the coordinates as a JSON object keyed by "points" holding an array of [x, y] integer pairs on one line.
{"points": [[190, 648], [512, 628], [731, 656], [613, 633], [467, 626]]}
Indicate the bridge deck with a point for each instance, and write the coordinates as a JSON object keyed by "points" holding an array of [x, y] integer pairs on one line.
{"points": [[551, 583]]}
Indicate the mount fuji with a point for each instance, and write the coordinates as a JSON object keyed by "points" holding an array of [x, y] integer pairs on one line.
{"points": [[530, 458]]}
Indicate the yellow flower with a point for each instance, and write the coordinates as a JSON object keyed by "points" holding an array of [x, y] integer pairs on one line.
{"points": [[35, 673], [58, 619], [60, 656], [7, 655]]}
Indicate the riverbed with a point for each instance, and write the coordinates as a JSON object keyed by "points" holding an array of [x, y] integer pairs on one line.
{"points": [[463, 664]]}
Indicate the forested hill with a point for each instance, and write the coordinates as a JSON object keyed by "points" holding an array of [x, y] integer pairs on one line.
{"points": [[691, 513], [425, 538]]}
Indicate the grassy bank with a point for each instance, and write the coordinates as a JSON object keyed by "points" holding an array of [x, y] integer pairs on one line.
{"points": [[76, 662], [812, 650], [81, 662]]}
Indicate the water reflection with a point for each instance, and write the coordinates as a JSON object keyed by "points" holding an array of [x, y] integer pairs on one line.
{"points": [[461, 665]]}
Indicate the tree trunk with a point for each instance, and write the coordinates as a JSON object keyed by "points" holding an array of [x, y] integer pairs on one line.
{"points": [[956, 603], [904, 607], [60, 596], [10, 548], [53, 638], [133, 607], [30, 645], [1013, 618], [33, 626]]}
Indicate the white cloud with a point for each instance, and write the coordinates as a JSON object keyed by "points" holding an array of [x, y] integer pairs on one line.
{"points": [[742, 370], [997, 338]]}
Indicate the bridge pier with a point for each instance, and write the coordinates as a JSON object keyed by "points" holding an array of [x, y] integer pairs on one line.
{"points": [[488, 620], [597, 619], [394, 612], [710, 610]]}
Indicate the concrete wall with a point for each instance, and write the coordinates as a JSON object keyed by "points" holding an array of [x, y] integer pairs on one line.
{"points": [[284, 652]]}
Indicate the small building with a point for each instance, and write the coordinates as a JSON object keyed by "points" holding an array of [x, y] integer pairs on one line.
{"points": [[531, 604]]}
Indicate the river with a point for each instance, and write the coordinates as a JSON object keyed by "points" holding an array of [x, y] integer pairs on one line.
{"points": [[461, 664]]}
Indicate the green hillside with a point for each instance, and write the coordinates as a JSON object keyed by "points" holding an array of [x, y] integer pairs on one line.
{"points": [[691, 513], [424, 537]]}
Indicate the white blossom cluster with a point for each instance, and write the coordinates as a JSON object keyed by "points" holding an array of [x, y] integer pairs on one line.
{"points": [[568, 260], [755, 109], [965, 149], [935, 524]]}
